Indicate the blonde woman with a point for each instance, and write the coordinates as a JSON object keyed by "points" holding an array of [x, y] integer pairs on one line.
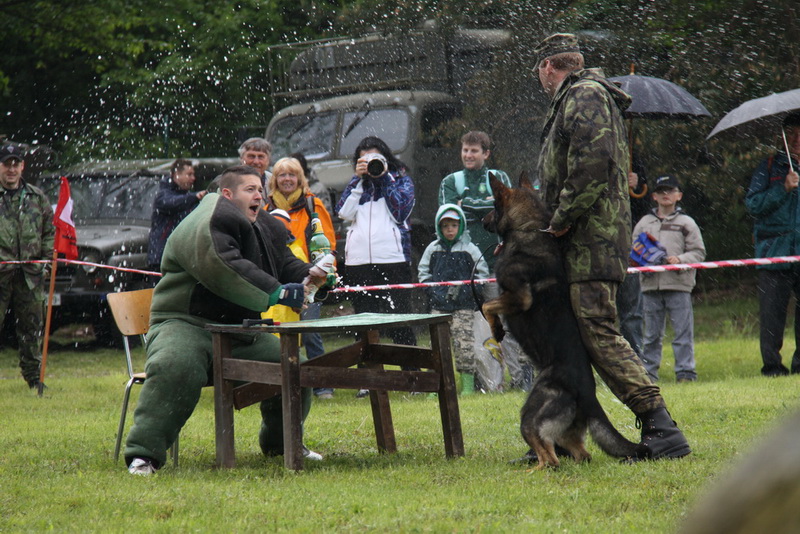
{"points": [[289, 191]]}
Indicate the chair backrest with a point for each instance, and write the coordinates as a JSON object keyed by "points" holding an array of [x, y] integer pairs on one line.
{"points": [[131, 311]]}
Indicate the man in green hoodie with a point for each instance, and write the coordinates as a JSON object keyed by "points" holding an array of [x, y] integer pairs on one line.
{"points": [[583, 168], [469, 189], [225, 262]]}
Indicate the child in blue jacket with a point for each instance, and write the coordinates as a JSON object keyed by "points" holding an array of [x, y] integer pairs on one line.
{"points": [[452, 257]]}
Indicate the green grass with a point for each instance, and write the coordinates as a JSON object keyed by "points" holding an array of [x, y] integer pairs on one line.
{"points": [[57, 471]]}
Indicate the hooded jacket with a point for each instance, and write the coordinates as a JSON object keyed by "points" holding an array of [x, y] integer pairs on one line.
{"points": [[680, 236], [445, 260], [218, 267], [474, 203], [776, 230], [583, 170]]}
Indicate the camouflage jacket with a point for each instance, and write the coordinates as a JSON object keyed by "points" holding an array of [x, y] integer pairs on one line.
{"points": [[583, 168], [26, 230]]}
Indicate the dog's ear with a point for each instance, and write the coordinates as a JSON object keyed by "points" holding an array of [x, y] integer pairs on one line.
{"points": [[498, 187], [524, 181]]}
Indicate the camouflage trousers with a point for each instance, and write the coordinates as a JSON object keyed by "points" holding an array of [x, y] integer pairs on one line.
{"points": [[463, 340], [28, 305], [594, 303]]}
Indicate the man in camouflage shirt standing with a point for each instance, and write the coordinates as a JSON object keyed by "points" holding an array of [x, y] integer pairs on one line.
{"points": [[26, 233], [583, 167]]}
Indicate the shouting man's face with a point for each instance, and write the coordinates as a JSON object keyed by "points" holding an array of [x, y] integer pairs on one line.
{"points": [[247, 196]]}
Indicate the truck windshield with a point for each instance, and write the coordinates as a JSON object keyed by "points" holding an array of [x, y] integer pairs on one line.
{"points": [[311, 134], [107, 197], [391, 125]]}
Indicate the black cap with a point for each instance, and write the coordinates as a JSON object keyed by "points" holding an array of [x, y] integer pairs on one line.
{"points": [[10, 151], [666, 181]]}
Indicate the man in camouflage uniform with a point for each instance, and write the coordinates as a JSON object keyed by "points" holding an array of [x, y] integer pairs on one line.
{"points": [[26, 233], [583, 167]]}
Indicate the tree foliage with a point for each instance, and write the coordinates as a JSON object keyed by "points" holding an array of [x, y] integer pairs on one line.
{"points": [[113, 78]]}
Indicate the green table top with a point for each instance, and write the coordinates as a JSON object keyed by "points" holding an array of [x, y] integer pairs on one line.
{"points": [[352, 323]]}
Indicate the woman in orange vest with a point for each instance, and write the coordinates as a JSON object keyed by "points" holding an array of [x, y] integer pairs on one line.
{"points": [[289, 191]]}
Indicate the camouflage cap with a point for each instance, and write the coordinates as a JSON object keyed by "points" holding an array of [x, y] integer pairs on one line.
{"points": [[558, 43]]}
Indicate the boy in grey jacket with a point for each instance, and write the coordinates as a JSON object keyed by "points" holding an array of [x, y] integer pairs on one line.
{"points": [[670, 292]]}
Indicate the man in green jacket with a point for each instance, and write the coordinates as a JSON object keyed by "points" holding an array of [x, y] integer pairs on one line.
{"points": [[226, 262], [469, 189], [583, 167], [26, 233]]}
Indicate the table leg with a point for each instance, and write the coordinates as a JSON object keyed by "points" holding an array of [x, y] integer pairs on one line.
{"points": [[448, 399], [381, 409], [223, 402], [291, 402]]}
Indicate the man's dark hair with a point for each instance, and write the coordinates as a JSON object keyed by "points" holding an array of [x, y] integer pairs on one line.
{"points": [[232, 176], [477, 138], [377, 143], [792, 120], [178, 165]]}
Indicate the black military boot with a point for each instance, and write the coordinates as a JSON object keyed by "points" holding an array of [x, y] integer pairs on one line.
{"points": [[661, 436]]}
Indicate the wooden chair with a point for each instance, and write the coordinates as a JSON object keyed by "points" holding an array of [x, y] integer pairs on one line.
{"points": [[131, 311]]}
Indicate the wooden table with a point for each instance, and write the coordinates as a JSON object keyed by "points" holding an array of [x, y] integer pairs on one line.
{"points": [[356, 366]]}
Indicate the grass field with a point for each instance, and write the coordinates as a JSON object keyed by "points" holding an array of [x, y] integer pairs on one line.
{"points": [[57, 471]]}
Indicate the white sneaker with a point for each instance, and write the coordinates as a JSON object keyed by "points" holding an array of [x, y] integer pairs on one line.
{"points": [[311, 455], [141, 466]]}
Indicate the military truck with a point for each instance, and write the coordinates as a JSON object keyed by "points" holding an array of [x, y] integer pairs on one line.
{"points": [[112, 206], [401, 88]]}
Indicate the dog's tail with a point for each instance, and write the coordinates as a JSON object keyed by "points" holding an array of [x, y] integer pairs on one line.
{"points": [[608, 438]]}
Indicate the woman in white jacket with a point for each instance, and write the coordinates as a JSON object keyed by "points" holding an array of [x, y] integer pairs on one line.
{"points": [[377, 203]]}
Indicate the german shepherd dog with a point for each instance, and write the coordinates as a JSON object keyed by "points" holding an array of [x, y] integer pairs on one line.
{"points": [[534, 298]]}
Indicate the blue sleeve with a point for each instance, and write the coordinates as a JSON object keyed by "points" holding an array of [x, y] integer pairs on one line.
{"points": [[168, 201], [399, 194]]}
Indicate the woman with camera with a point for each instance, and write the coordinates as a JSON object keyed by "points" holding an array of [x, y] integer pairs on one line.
{"points": [[377, 202]]}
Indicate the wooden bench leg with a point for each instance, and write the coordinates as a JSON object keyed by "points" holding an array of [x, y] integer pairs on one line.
{"points": [[448, 399], [291, 402], [223, 403], [381, 409]]}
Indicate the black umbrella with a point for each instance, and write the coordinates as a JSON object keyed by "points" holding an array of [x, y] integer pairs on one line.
{"points": [[759, 118], [655, 98]]}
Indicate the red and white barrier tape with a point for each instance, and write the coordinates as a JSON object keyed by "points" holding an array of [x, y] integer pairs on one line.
{"points": [[650, 269], [89, 263], [350, 289]]}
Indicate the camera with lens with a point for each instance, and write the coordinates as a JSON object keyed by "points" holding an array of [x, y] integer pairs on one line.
{"points": [[376, 164]]}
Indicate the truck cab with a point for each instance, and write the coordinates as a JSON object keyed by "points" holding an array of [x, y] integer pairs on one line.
{"points": [[404, 89], [328, 131]]}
